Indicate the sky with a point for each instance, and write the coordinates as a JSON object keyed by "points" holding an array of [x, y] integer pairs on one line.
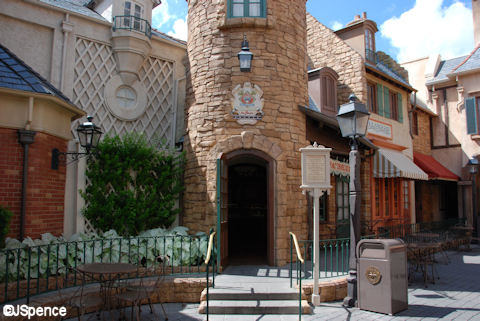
{"points": [[408, 29]]}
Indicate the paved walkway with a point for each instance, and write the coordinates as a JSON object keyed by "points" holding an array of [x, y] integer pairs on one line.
{"points": [[455, 296]]}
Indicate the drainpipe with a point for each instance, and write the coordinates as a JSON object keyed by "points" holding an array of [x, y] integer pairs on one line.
{"points": [[25, 137]]}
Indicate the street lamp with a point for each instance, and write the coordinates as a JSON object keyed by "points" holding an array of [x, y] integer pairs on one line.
{"points": [[88, 134], [353, 120], [245, 56], [473, 166]]}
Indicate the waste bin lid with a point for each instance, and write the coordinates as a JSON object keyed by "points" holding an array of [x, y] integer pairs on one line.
{"points": [[377, 248]]}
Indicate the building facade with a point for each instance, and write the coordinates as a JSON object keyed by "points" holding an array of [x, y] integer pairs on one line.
{"points": [[106, 59], [244, 129], [388, 172]]}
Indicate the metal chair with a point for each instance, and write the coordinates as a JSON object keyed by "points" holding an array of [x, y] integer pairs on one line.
{"points": [[136, 293], [74, 295]]}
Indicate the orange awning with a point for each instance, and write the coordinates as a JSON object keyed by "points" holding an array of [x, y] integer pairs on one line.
{"points": [[433, 168]]}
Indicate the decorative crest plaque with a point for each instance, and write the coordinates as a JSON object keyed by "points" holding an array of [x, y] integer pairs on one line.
{"points": [[373, 275], [247, 103]]}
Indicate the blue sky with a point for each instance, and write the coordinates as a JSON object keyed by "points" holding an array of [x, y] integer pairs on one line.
{"points": [[408, 29]]}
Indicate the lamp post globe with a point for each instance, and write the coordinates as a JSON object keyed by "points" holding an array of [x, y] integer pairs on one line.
{"points": [[353, 121]]}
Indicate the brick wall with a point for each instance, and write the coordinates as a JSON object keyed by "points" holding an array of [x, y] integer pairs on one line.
{"points": [[45, 189], [421, 142]]}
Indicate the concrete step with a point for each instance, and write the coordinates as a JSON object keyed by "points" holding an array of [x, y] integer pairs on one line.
{"points": [[250, 294], [254, 307]]}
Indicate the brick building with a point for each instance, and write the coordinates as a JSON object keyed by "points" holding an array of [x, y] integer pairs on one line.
{"points": [[35, 117]]}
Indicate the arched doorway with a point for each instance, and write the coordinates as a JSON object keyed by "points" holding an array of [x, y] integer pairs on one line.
{"points": [[247, 211]]}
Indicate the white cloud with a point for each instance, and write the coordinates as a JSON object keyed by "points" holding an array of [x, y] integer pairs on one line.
{"points": [[337, 25], [161, 15], [430, 28], [180, 29]]}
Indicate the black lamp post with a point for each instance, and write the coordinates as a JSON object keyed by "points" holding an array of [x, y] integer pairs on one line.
{"points": [[245, 56], [473, 166], [353, 120], [88, 134]]}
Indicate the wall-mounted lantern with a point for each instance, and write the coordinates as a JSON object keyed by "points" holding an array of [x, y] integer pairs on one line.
{"points": [[89, 136], [245, 56]]}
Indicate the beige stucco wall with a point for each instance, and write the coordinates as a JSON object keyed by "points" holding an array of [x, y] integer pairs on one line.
{"points": [[47, 39], [416, 78]]}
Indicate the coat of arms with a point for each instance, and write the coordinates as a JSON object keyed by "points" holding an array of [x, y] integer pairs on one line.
{"points": [[247, 103]]}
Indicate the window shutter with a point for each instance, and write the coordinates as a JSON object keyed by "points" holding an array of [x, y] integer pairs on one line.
{"points": [[470, 108], [380, 99], [386, 95], [400, 107]]}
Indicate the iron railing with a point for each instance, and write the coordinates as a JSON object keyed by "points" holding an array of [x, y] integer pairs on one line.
{"points": [[211, 259], [132, 23], [372, 56], [31, 270], [334, 253], [299, 260]]}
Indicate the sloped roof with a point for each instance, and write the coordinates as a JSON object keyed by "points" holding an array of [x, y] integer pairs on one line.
{"points": [[77, 6], [472, 62], [16, 74], [167, 37], [444, 69]]}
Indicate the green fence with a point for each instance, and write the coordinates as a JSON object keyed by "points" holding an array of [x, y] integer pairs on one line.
{"points": [[31, 270]]}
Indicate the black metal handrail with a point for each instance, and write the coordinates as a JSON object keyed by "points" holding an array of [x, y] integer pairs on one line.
{"points": [[132, 23]]}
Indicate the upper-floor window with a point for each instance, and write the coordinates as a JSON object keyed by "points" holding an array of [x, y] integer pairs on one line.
{"points": [[247, 8], [415, 123], [328, 92], [372, 98], [472, 108], [384, 102], [132, 9], [370, 45]]}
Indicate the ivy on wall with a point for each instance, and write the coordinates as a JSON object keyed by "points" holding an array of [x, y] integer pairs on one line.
{"points": [[132, 186]]}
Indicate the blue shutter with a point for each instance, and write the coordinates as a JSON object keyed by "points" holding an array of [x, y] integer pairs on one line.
{"points": [[386, 99], [470, 108], [400, 107], [380, 99]]}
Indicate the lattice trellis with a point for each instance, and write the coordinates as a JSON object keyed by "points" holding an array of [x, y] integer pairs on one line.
{"points": [[94, 66]]}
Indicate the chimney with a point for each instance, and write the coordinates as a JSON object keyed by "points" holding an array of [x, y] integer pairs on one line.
{"points": [[476, 21], [364, 15]]}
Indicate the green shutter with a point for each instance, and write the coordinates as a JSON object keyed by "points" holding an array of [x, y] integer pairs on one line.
{"points": [[380, 99], [470, 108], [400, 107], [386, 99]]}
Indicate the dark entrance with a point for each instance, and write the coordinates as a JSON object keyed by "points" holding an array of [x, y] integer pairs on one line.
{"points": [[247, 211]]}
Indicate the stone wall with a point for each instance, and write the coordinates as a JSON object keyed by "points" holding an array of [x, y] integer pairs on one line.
{"points": [[279, 68], [45, 189], [326, 49]]}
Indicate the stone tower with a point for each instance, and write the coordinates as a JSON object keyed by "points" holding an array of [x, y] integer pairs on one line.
{"points": [[244, 129]]}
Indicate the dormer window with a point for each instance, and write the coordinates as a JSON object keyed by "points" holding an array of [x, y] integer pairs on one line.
{"points": [[370, 44], [247, 8], [322, 87]]}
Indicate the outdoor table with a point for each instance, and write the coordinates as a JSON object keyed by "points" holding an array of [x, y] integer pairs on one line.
{"points": [[106, 274]]}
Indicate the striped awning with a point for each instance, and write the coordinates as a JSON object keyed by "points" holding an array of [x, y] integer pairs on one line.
{"points": [[388, 163]]}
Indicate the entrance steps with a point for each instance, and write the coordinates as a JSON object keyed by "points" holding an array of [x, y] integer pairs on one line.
{"points": [[223, 301], [253, 290]]}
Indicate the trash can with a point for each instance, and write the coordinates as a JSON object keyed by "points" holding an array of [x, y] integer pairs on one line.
{"points": [[382, 275]]}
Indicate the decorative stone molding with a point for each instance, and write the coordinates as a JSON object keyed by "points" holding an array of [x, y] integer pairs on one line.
{"points": [[246, 140], [124, 101]]}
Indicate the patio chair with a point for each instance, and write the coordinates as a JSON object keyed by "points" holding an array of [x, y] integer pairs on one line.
{"points": [[135, 294], [75, 295]]}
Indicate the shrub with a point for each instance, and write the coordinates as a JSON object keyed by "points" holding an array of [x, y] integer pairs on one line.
{"points": [[5, 216], [132, 186]]}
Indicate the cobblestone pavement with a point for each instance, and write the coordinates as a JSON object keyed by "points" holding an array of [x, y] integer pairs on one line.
{"points": [[455, 296]]}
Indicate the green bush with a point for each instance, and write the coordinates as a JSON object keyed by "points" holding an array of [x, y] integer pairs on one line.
{"points": [[132, 186], [5, 216]]}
